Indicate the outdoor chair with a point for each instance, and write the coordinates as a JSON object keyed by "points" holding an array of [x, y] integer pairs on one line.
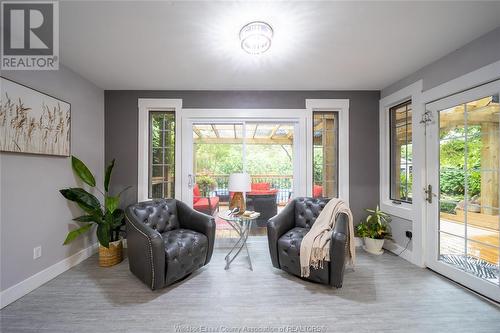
{"points": [[205, 204]]}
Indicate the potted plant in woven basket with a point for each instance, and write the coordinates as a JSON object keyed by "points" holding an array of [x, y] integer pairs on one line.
{"points": [[108, 217], [374, 230]]}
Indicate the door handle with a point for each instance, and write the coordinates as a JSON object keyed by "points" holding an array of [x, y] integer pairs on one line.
{"points": [[190, 181], [428, 193]]}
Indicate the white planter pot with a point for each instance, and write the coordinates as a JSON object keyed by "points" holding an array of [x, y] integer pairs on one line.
{"points": [[373, 246]]}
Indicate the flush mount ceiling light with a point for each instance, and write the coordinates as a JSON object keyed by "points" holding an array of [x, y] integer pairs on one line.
{"points": [[256, 37]]}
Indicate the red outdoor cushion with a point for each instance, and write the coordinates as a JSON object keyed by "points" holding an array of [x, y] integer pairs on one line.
{"points": [[196, 193], [317, 191], [202, 203], [261, 187], [263, 192]]}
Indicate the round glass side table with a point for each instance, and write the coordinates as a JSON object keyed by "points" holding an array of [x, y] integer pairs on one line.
{"points": [[242, 224]]}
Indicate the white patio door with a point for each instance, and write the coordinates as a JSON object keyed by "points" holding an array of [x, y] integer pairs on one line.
{"points": [[463, 157], [243, 121]]}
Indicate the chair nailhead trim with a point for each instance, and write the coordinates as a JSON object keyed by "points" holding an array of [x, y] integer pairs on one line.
{"points": [[150, 252]]}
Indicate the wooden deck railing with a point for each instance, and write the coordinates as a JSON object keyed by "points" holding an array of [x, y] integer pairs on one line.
{"points": [[283, 183]]}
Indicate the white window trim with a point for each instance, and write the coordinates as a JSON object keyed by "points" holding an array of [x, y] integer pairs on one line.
{"points": [[413, 92], [342, 107], [145, 105], [414, 212]]}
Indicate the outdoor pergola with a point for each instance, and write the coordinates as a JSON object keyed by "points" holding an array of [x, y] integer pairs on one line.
{"points": [[261, 133], [256, 133]]}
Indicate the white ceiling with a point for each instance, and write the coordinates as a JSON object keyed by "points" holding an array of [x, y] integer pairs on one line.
{"points": [[317, 45]]}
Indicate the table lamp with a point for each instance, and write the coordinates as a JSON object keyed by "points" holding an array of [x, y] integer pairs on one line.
{"points": [[239, 183]]}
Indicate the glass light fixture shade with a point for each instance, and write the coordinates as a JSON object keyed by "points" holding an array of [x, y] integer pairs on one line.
{"points": [[256, 37]]}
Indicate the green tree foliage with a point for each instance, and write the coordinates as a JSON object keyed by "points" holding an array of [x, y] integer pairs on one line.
{"points": [[163, 135], [318, 165], [406, 181], [224, 159], [454, 166]]}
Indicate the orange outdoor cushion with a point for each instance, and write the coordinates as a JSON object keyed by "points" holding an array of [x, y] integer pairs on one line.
{"points": [[261, 187], [317, 191], [202, 203], [196, 193]]}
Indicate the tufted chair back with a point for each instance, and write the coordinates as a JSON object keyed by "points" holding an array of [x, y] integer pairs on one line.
{"points": [[160, 215], [307, 210]]}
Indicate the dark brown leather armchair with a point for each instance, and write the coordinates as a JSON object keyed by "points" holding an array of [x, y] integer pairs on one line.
{"points": [[286, 230], [167, 240]]}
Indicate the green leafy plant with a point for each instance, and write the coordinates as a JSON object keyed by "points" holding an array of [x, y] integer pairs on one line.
{"points": [[107, 217], [376, 225], [206, 184]]}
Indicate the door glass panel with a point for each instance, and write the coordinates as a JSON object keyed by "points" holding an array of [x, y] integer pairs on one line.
{"points": [[262, 149], [451, 246], [161, 154], [325, 154], [469, 187], [269, 161], [217, 153], [401, 171]]}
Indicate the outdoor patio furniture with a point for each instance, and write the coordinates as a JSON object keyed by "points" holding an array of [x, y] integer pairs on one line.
{"points": [[223, 194], [262, 199], [265, 204], [317, 191], [204, 204], [262, 189]]}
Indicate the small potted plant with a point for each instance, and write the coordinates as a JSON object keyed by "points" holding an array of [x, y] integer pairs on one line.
{"points": [[108, 217], [206, 184], [374, 230]]}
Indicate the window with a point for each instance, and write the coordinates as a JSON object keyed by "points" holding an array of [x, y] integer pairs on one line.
{"points": [[325, 154], [401, 168], [161, 179]]}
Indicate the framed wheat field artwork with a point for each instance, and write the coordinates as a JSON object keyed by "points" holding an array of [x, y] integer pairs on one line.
{"points": [[33, 122]]}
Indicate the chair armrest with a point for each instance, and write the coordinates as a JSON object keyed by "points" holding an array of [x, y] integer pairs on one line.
{"points": [[199, 222], [338, 250], [146, 251], [277, 226]]}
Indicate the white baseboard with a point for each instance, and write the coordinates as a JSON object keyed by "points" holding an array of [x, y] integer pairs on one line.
{"points": [[358, 241], [398, 250], [24, 287]]}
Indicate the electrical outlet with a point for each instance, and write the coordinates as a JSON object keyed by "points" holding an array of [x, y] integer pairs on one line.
{"points": [[37, 252], [408, 234]]}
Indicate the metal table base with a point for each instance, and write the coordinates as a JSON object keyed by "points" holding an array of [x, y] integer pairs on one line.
{"points": [[243, 230]]}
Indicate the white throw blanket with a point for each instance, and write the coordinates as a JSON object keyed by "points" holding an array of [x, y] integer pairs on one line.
{"points": [[315, 246]]}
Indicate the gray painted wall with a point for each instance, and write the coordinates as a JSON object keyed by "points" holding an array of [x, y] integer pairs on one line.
{"points": [[398, 230], [33, 213], [122, 130], [478, 53]]}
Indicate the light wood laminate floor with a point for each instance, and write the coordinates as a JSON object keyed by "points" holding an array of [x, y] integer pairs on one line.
{"points": [[383, 294]]}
